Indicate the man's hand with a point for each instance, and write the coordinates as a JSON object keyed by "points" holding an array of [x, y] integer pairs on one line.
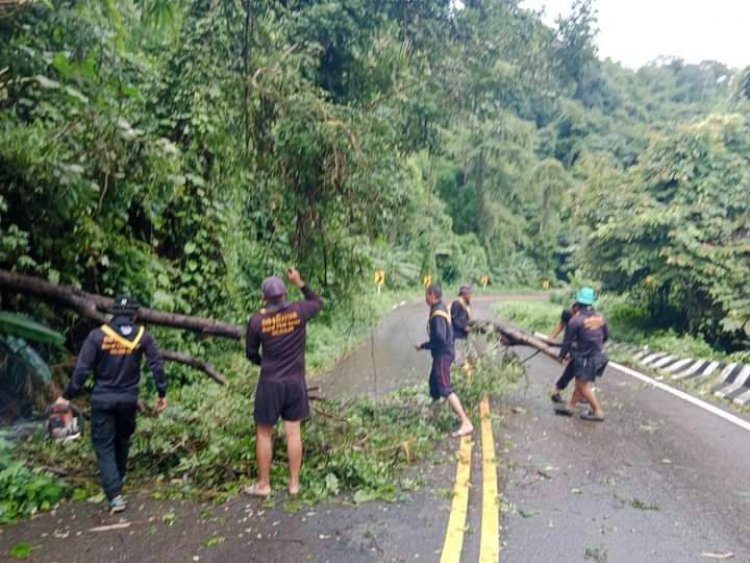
{"points": [[161, 404], [294, 277], [418, 347], [62, 402]]}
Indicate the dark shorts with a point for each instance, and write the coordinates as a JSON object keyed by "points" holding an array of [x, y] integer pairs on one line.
{"points": [[286, 399], [440, 377], [588, 368]]}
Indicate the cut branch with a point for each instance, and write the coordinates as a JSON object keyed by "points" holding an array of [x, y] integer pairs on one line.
{"points": [[194, 362], [94, 307]]}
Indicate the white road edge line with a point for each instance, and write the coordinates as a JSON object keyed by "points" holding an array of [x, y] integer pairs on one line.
{"points": [[744, 424], [684, 396]]}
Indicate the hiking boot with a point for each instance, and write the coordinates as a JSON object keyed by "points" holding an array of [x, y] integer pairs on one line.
{"points": [[117, 504]]}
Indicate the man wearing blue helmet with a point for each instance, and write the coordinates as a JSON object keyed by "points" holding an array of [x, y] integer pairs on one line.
{"points": [[583, 346]]}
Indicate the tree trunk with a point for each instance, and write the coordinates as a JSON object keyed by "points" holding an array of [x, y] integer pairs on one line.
{"points": [[515, 336], [95, 306]]}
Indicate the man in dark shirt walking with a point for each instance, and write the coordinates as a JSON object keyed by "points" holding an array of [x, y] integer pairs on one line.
{"points": [[440, 346], [114, 352], [276, 338], [583, 346]]}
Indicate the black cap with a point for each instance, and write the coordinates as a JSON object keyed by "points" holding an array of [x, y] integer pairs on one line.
{"points": [[124, 304]]}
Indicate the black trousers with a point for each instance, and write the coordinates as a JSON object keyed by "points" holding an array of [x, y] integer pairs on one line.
{"points": [[567, 376], [112, 425]]}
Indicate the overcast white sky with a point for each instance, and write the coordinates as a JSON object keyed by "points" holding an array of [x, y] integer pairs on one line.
{"points": [[635, 32]]}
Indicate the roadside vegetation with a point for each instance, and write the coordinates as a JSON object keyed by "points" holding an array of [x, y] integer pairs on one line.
{"points": [[203, 447]]}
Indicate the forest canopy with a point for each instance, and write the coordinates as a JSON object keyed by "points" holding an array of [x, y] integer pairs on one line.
{"points": [[182, 150]]}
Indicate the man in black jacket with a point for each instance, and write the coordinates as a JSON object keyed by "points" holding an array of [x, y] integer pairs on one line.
{"points": [[441, 348], [114, 352]]}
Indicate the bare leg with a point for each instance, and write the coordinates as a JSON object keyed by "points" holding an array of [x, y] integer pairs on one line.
{"points": [[294, 452], [263, 453], [576, 396], [588, 393], [466, 426]]}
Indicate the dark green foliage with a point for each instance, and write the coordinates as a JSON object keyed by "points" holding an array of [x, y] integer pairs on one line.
{"points": [[25, 491]]}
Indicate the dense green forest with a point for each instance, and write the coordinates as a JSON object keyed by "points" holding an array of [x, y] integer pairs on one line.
{"points": [[182, 150]]}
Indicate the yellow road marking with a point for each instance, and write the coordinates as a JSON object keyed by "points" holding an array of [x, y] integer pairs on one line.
{"points": [[454, 535], [489, 545]]}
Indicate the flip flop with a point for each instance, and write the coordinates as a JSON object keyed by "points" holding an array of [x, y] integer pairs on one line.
{"points": [[592, 417], [459, 434], [563, 411], [252, 491]]}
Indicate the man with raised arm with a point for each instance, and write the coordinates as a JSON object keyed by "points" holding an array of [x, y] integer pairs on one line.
{"points": [[276, 337]]}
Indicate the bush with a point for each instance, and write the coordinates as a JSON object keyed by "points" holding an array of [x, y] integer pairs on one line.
{"points": [[24, 491]]}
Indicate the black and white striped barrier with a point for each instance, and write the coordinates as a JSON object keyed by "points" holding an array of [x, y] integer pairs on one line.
{"points": [[733, 382]]}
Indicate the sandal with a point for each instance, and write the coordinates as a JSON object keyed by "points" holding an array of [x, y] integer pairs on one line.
{"points": [[563, 410], [592, 417]]}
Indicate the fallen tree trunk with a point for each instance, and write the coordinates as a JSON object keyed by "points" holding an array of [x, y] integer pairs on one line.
{"points": [[94, 306], [515, 336]]}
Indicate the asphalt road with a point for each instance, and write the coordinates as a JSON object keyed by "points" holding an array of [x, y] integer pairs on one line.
{"points": [[659, 480]]}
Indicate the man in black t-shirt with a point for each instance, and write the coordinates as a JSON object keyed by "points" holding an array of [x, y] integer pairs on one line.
{"points": [[567, 374], [276, 337]]}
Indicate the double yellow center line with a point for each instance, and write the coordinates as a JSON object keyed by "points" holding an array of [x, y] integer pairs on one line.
{"points": [[489, 546]]}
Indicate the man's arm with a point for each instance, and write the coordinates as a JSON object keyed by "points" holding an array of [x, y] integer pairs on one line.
{"points": [[252, 344], [557, 330], [565, 318], [84, 365], [312, 304], [155, 363]]}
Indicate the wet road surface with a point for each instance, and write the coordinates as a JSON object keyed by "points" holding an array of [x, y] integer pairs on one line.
{"points": [[659, 480]]}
